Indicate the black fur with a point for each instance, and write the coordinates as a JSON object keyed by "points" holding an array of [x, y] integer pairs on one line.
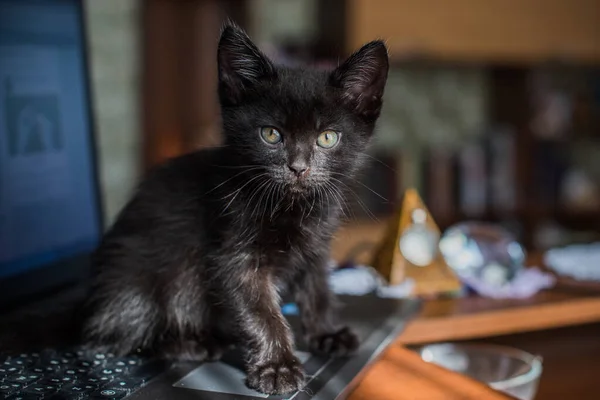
{"points": [[198, 259]]}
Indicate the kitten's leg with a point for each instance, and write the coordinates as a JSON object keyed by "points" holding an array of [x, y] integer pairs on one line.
{"points": [[315, 301], [271, 364], [190, 331], [120, 323]]}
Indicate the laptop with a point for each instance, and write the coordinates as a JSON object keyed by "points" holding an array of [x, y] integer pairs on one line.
{"points": [[50, 221]]}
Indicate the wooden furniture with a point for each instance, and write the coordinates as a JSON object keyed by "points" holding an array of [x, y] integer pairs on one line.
{"points": [[568, 369], [476, 317], [179, 88], [401, 374], [491, 31], [569, 354], [509, 39]]}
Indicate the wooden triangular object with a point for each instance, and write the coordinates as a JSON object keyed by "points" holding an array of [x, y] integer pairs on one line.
{"points": [[434, 278]]}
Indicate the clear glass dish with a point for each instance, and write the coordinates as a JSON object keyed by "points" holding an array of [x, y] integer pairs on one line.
{"points": [[506, 369]]}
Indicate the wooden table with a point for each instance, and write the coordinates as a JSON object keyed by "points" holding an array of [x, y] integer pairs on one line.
{"points": [[401, 374], [569, 355], [477, 317]]}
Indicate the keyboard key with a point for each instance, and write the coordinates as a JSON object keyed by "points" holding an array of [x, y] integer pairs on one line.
{"points": [[135, 361], [109, 394], [12, 371], [15, 362], [90, 387], [23, 396], [55, 380], [103, 356], [58, 361], [6, 389], [126, 384], [22, 362], [67, 379], [83, 364], [10, 387], [78, 389], [41, 389], [97, 379], [51, 369], [26, 378]]}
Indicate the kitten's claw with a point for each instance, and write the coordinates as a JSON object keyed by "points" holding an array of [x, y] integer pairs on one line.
{"points": [[336, 344], [277, 377]]}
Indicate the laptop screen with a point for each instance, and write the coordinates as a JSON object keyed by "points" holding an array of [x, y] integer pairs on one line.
{"points": [[48, 201]]}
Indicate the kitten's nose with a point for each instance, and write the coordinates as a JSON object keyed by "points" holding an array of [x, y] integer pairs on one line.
{"points": [[299, 168]]}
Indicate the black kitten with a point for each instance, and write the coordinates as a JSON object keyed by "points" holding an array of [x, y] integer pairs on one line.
{"points": [[198, 258]]}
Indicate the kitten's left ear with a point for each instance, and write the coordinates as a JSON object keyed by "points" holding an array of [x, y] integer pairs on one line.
{"points": [[241, 63], [362, 79]]}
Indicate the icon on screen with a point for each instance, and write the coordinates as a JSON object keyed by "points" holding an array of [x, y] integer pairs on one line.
{"points": [[33, 122]]}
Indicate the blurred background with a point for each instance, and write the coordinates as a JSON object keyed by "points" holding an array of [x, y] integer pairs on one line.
{"points": [[492, 108], [491, 112]]}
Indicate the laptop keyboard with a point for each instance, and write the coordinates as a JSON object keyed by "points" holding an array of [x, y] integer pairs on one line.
{"points": [[73, 375]]}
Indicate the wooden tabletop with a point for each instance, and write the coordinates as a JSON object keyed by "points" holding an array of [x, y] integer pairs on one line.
{"points": [[401, 374], [476, 317]]}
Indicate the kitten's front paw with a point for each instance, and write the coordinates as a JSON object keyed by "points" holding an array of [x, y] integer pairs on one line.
{"points": [[335, 344], [276, 377]]}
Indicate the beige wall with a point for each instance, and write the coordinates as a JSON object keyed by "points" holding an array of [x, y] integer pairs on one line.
{"points": [[114, 42]]}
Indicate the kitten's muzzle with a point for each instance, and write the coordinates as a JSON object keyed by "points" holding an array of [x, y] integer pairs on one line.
{"points": [[299, 169]]}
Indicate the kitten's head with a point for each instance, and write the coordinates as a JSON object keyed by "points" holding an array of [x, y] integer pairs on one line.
{"points": [[304, 127]]}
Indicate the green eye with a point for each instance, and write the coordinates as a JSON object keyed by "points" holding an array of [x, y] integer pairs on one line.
{"points": [[270, 135], [328, 139]]}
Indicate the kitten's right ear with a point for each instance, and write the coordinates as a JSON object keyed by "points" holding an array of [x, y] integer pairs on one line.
{"points": [[241, 63], [362, 79]]}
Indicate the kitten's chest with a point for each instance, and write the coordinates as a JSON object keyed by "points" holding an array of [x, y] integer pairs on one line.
{"points": [[284, 240], [282, 233]]}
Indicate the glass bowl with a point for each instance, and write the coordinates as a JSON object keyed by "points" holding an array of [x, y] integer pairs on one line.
{"points": [[506, 369]]}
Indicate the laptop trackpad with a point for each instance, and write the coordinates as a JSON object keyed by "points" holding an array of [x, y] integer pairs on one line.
{"points": [[226, 376]]}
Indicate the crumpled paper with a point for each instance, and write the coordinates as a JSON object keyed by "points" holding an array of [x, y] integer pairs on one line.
{"points": [[361, 280], [578, 261], [526, 283]]}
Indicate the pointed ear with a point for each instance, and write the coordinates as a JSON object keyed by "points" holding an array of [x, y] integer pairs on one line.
{"points": [[240, 63], [362, 79]]}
